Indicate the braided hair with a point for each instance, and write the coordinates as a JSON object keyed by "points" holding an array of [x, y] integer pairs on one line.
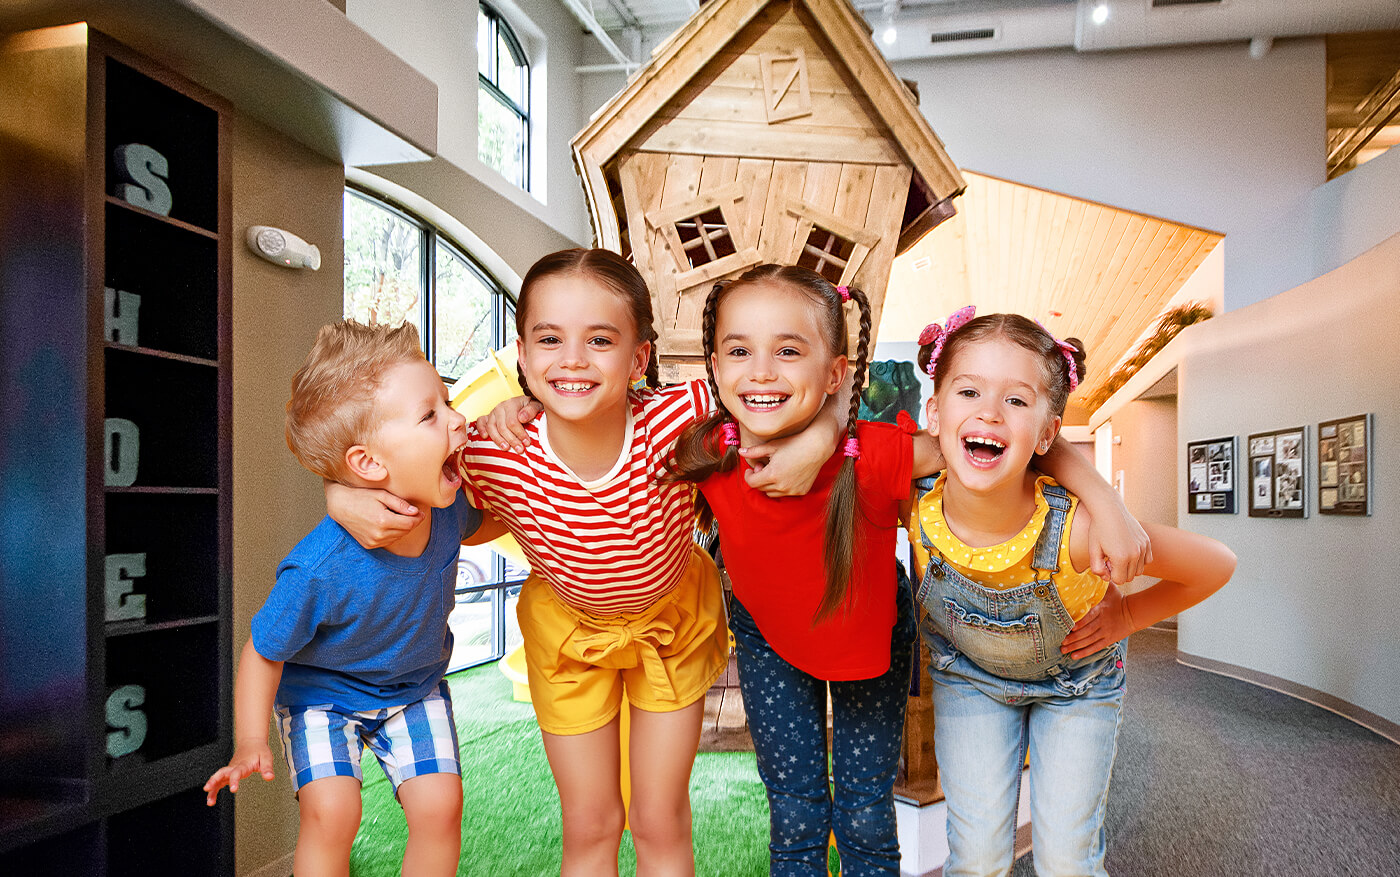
{"points": [[701, 452]]}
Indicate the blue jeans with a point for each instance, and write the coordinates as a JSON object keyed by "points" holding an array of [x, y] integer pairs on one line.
{"points": [[787, 720], [986, 723]]}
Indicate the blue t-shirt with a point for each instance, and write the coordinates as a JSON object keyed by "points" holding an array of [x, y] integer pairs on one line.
{"points": [[363, 629]]}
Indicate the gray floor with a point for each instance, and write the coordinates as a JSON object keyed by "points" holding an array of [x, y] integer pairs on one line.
{"points": [[1219, 777]]}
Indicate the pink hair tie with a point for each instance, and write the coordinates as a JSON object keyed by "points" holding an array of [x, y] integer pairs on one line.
{"points": [[730, 434], [851, 448], [1068, 351], [844, 292], [938, 335]]}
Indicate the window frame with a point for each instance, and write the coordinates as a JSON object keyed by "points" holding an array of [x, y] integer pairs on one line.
{"points": [[499, 26], [430, 237]]}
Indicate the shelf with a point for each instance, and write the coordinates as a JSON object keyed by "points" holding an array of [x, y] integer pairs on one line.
{"points": [[185, 132], [175, 674], [117, 202], [174, 407], [167, 543], [141, 841], [162, 354], [127, 628], [174, 274]]}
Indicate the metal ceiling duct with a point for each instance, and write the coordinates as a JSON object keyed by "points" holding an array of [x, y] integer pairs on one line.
{"points": [[947, 29]]}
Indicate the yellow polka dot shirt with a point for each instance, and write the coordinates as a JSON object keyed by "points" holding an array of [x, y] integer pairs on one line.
{"points": [[1007, 565]]}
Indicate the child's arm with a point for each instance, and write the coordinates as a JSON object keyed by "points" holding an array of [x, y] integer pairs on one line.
{"points": [[1118, 545], [374, 517], [788, 466], [783, 467], [928, 456], [489, 528], [253, 693], [1191, 568]]}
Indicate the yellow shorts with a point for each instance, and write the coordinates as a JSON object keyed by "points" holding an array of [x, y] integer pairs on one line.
{"points": [[666, 657]]}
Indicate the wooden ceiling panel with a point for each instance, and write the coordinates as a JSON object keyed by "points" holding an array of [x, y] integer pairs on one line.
{"points": [[1088, 270]]}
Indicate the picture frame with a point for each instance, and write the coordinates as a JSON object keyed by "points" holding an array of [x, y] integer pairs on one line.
{"points": [[1277, 473], [1210, 476], [1344, 480]]}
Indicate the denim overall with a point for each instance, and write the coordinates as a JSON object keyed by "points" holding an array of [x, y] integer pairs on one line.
{"points": [[1001, 688]]}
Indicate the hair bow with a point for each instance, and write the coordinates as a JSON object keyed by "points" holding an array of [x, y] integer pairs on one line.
{"points": [[1068, 351], [938, 335]]}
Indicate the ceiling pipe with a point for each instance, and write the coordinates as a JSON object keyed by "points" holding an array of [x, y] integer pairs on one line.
{"points": [[953, 29], [590, 24]]}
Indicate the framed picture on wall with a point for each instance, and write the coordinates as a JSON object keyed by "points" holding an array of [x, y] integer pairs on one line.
{"points": [[1210, 477], [1276, 484], [1344, 466]]}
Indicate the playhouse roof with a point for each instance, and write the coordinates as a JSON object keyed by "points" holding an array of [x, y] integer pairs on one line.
{"points": [[683, 56]]}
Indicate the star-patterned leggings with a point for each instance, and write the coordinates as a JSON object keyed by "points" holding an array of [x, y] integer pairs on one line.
{"points": [[787, 720]]}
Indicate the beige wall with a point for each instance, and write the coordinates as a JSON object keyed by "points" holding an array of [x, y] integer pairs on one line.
{"points": [[1313, 599], [276, 312], [1145, 452]]}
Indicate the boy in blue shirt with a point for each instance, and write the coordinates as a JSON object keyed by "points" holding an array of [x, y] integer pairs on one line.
{"points": [[352, 642]]}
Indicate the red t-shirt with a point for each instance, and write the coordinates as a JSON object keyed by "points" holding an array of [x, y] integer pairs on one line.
{"points": [[774, 552]]}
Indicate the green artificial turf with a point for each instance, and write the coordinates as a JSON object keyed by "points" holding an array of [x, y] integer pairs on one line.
{"points": [[510, 812]]}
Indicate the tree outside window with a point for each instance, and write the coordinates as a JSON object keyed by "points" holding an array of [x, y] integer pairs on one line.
{"points": [[462, 314]]}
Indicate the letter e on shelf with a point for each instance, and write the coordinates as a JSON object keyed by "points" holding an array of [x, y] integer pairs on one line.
{"points": [[122, 604]]}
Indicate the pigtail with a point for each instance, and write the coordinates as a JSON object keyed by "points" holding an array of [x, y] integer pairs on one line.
{"points": [[841, 506], [1080, 356], [700, 450]]}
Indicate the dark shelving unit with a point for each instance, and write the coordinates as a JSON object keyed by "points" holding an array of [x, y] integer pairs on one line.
{"points": [[115, 465]]}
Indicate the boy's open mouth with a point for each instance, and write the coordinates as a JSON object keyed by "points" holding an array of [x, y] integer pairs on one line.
{"points": [[452, 468], [763, 401], [982, 449]]}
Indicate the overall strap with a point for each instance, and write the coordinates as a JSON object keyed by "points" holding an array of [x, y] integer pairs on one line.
{"points": [[1047, 548], [925, 485]]}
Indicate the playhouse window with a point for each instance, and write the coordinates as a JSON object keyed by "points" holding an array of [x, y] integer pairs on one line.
{"points": [[705, 237], [826, 253]]}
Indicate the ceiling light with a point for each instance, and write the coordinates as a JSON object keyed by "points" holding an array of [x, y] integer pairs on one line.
{"points": [[888, 34], [1100, 13]]}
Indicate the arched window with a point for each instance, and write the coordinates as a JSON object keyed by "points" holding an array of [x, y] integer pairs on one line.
{"points": [[400, 268], [503, 99]]}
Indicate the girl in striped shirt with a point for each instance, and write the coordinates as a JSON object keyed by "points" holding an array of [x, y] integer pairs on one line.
{"points": [[620, 598]]}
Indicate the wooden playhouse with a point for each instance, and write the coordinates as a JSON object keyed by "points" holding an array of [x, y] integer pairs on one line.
{"points": [[761, 131]]}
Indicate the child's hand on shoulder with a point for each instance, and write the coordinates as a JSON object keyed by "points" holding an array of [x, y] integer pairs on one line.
{"points": [[505, 424], [252, 756]]}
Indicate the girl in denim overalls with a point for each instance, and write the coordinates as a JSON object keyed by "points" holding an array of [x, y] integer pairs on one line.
{"points": [[1027, 650]]}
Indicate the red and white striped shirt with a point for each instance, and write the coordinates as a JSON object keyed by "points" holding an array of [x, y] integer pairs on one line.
{"points": [[615, 544]]}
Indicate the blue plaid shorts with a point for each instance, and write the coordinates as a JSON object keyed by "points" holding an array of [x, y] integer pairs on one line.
{"points": [[325, 741]]}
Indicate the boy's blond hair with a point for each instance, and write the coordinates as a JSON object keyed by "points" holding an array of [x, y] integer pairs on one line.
{"points": [[333, 393]]}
